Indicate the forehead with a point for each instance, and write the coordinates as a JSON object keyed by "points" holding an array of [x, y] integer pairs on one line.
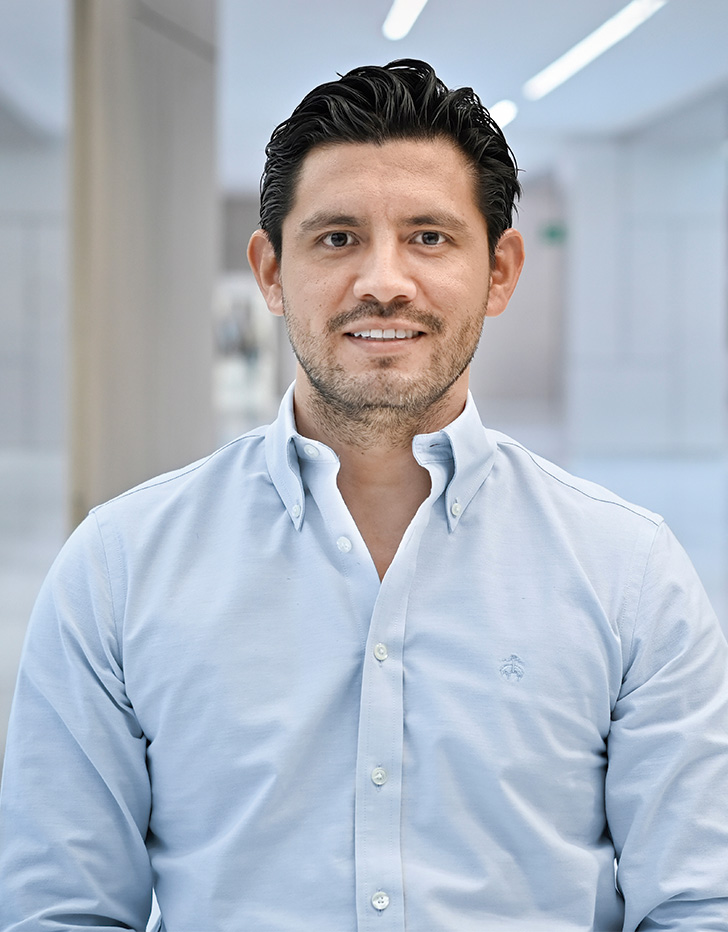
{"points": [[396, 172]]}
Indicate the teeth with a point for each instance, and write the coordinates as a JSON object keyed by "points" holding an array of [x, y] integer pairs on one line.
{"points": [[377, 334]]}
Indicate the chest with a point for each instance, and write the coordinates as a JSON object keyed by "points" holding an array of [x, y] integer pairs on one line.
{"points": [[476, 635]]}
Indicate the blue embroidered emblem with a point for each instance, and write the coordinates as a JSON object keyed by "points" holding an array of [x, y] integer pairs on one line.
{"points": [[513, 668]]}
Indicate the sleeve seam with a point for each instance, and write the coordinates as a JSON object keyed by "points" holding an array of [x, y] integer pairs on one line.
{"points": [[630, 653], [112, 597]]}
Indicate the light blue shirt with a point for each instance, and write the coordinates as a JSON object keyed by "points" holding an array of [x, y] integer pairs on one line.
{"points": [[218, 698]]}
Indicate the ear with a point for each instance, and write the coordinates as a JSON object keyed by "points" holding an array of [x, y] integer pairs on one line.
{"points": [[267, 271], [507, 265]]}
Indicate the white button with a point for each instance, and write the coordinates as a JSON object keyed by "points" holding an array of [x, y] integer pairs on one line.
{"points": [[311, 450], [456, 508], [296, 511], [344, 544], [380, 900], [380, 651], [379, 776]]}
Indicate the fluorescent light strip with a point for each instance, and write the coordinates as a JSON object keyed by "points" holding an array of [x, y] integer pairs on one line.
{"points": [[584, 52], [504, 112], [401, 18]]}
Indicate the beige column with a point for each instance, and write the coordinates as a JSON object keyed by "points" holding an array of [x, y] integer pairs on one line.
{"points": [[144, 241]]}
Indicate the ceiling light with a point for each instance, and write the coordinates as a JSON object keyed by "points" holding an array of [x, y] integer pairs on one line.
{"points": [[603, 38], [504, 112], [401, 18]]}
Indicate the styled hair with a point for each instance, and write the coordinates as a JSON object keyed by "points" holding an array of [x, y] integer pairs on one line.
{"points": [[376, 104]]}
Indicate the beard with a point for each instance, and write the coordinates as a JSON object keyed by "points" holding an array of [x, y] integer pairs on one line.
{"points": [[383, 398]]}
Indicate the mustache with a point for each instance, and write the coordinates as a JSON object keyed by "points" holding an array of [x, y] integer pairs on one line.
{"points": [[368, 309]]}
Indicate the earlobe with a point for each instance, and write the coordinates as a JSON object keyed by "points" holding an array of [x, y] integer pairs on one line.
{"points": [[265, 266], [507, 265]]}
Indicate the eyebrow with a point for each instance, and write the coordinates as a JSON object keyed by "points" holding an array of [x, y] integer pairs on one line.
{"points": [[328, 219], [323, 219], [448, 220]]}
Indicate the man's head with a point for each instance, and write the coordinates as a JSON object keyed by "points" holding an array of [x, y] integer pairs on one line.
{"points": [[402, 100], [385, 242]]}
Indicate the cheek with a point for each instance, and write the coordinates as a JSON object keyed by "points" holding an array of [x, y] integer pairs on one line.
{"points": [[311, 296], [302, 317], [459, 284]]}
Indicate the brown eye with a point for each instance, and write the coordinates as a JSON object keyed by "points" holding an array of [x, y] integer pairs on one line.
{"points": [[431, 238], [336, 239]]}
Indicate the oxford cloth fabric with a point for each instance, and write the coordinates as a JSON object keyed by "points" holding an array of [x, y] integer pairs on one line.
{"points": [[217, 697]]}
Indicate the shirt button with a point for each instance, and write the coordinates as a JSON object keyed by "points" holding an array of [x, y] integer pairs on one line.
{"points": [[310, 450], [296, 511], [381, 652], [456, 508], [379, 776], [344, 544], [380, 900]]}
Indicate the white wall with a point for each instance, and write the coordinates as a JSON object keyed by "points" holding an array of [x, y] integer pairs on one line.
{"points": [[646, 307], [520, 358], [33, 295]]}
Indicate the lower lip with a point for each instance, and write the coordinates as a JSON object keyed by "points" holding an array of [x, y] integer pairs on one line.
{"points": [[384, 345]]}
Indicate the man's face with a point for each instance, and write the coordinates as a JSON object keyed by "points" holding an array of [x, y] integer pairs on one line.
{"points": [[384, 276]]}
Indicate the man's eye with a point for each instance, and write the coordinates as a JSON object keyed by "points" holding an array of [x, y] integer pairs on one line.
{"points": [[431, 238], [337, 239]]}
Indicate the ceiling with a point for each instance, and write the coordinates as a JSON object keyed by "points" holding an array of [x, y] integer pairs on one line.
{"points": [[272, 51]]}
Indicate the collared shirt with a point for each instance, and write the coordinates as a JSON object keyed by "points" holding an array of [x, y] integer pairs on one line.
{"points": [[218, 698]]}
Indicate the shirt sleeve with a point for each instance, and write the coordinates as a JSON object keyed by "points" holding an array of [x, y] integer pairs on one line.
{"points": [[667, 778], [76, 798]]}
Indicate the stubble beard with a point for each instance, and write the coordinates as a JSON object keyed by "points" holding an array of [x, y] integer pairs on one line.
{"points": [[382, 406]]}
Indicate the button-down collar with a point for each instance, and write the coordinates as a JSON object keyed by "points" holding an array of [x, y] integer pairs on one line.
{"points": [[463, 443]]}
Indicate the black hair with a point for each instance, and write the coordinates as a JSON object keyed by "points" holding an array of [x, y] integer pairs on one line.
{"points": [[402, 100]]}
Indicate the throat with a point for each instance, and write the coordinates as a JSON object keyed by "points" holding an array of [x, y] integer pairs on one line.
{"points": [[383, 510]]}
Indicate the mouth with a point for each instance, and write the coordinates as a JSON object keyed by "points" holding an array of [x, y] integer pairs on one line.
{"points": [[390, 334]]}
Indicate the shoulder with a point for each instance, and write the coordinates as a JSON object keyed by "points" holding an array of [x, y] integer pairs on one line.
{"points": [[580, 532], [550, 485], [230, 463], [561, 517], [167, 514]]}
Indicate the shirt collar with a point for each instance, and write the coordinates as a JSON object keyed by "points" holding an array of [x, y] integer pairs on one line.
{"points": [[467, 443], [464, 441]]}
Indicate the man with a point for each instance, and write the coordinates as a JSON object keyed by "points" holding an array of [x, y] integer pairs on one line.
{"points": [[373, 667]]}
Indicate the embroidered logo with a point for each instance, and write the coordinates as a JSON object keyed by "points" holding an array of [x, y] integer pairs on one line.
{"points": [[513, 668]]}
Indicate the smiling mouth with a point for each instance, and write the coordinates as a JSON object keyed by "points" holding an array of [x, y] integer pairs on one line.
{"points": [[376, 334]]}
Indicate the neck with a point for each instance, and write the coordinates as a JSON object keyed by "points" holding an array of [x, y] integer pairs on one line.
{"points": [[380, 480]]}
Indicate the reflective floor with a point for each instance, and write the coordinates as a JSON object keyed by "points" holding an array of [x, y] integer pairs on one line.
{"points": [[691, 493]]}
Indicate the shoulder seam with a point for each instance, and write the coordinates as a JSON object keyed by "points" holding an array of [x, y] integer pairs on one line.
{"points": [[176, 474], [594, 498]]}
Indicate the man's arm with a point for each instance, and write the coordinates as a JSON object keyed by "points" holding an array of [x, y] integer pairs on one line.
{"points": [[75, 797], [667, 780]]}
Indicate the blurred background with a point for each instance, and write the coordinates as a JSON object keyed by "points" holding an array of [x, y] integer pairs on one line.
{"points": [[132, 339]]}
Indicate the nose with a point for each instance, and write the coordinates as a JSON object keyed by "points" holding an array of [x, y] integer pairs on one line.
{"points": [[383, 275]]}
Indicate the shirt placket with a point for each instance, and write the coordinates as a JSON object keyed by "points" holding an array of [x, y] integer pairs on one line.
{"points": [[380, 748], [379, 878]]}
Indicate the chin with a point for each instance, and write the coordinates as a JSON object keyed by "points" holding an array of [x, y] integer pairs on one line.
{"points": [[382, 391]]}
